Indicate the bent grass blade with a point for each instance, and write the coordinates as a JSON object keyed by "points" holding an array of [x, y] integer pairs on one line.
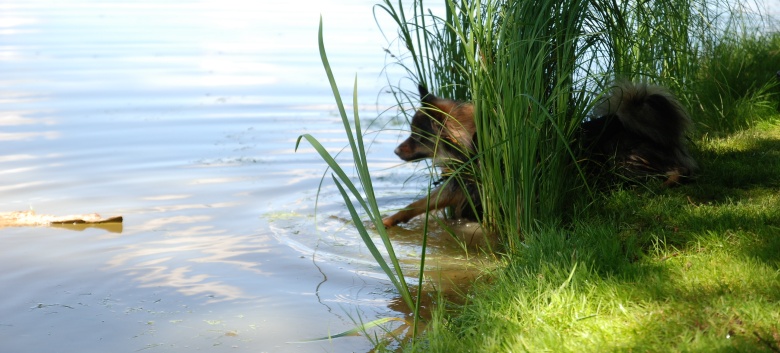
{"points": [[349, 191], [357, 330]]}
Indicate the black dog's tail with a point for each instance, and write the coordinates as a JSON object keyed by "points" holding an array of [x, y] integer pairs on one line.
{"points": [[647, 110], [653, 112]]}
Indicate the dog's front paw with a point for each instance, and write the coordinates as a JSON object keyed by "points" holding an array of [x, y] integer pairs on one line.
{"points": [[389, 222]]}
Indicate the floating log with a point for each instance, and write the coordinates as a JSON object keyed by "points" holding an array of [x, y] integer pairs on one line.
{"points": [[30, 218]]}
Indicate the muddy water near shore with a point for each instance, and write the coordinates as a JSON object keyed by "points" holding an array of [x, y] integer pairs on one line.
{"points": [[182, 117]]}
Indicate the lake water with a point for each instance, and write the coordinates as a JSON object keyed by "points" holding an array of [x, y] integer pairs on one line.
{"points": [[182, 117]]}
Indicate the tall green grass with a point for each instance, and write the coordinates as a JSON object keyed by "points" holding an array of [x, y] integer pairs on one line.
{"points": [[519, 74], [364, 198], [434, 52], [524, 67], [534, 69], [736, 85]]}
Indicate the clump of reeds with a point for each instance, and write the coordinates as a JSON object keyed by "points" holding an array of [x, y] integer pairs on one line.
{"points": [[534, 69]]}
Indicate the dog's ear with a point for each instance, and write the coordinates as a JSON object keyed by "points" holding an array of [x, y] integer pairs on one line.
{"points": [[423, 90], [425, 96]]}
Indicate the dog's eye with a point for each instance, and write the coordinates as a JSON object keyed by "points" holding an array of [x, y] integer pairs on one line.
{"points": [[421, 136]]}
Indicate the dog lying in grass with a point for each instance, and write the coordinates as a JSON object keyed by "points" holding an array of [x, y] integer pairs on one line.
{"points": [[639, 132]]}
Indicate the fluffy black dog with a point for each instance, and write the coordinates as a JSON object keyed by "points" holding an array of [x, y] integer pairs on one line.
{"points": [[639, 133]]}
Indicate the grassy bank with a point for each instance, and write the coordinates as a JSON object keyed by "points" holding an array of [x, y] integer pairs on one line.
{"points": [[695, 268], [689, 269], [626, 268]]}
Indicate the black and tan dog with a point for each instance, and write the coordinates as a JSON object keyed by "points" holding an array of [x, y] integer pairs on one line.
{"points": [[639, 132], [443, 130]]}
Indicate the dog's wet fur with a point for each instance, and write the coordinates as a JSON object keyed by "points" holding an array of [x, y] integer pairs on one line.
{"points": [[443, 130]]}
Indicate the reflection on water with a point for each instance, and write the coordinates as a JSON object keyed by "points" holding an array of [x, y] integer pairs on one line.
{"points": [[152, 264], [183, 117], [115, 227]]}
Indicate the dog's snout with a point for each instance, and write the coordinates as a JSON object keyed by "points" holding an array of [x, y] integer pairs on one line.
{"points": [[404, 149]]}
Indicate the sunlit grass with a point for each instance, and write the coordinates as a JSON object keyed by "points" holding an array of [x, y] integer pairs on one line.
{"points": [[737, 85], [691, 269]]}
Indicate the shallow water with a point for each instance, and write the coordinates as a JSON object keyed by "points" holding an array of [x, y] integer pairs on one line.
{"points": [[182, 117]]}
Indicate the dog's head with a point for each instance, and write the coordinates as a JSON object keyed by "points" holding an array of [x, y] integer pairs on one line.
{"points": [[441, 128]]}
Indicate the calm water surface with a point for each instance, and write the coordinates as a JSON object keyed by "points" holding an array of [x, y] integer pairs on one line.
{"points": [[182, 117]]}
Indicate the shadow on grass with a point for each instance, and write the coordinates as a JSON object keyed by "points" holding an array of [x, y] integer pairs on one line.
{"points": [[729, 170], [706, 291], [736, 198], [699, 264]]}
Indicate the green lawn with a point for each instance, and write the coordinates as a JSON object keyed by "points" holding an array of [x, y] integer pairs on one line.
{"points": [[690, 269]]}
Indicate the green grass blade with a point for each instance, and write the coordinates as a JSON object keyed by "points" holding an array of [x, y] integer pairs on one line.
{"points": [[395, 277], [355, 331], [347, 187], [334, 165]]}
